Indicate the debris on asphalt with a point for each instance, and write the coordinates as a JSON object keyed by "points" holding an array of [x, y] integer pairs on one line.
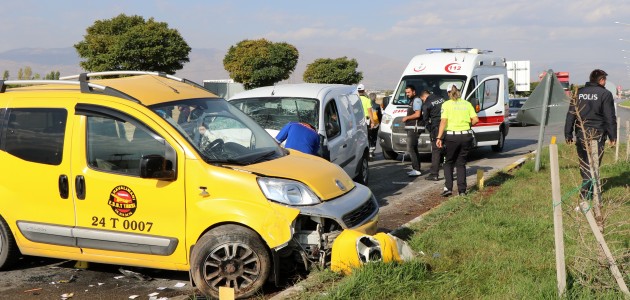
{"points": [[133, 274], [32, 290], [180, 284], [71, 279], [66, 296], [134, 296]]}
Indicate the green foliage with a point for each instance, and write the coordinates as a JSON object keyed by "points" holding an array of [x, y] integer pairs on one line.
{"points": [[511, 86], [132, 43], [328, 70], [53, 75], [256, 63], [5, 75]]}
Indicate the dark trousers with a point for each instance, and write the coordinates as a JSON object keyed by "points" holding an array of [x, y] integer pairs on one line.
{"points": [[582, 151], [412, 148], [436, 154], [457, 147], [372, 136]]}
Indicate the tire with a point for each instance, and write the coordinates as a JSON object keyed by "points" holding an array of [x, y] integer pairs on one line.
{"points": [[363, 175], [523, 124], [9, 252], [499, 147], [233, 256], [389, 154]]}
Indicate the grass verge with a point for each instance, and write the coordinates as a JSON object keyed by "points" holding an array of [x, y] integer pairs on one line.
{"points": [[498, 243]]}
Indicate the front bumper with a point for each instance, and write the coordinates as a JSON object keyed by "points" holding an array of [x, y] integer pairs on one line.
{"points": [[357, 209], [398, 142]]}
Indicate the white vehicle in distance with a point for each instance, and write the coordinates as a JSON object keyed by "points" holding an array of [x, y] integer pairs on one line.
{"points": [[343, 140], [480, 76]]}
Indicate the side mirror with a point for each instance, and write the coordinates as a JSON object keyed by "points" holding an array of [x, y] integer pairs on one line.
{"points": [[157, 167]]}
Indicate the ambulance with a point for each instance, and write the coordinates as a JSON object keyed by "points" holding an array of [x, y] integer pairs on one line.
{"points": [[480, 75]]}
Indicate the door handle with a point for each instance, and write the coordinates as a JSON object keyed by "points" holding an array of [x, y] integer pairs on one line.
{"points": [[79, 184], [344, 146], [63, 186], [498, 112]]}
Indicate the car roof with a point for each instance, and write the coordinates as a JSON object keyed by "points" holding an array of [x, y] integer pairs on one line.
{"points": [[147, 89], [304, 90]]}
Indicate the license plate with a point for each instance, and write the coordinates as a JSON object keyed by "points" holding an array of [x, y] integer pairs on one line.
{"points": [[402, 140]]}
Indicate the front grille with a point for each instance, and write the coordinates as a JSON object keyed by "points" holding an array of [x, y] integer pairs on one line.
{"points": [[360, 213]]}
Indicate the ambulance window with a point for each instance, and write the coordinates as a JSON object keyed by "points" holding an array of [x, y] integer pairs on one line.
{"points": [[488, 94], [36, 134], [471, 86], [331, 119], [116, 145]]}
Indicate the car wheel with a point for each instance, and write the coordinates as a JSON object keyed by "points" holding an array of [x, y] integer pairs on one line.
{"points": [[230, 256], [9, 252], [499, 147], [389, 154], [362, 177], [523, 124]]}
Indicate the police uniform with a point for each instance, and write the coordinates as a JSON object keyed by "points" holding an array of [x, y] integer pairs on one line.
{"points": [[412, 127], [431, 114], [596, 109], [457, 139]]}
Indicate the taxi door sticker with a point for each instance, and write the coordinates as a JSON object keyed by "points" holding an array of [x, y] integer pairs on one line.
{"points": [[123, 201]]}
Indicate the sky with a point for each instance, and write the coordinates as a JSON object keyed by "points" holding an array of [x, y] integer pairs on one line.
{"points": [[564, 35]]}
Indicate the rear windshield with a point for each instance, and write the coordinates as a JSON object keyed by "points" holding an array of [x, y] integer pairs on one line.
{"points": [[436, 84], [275, 112]]}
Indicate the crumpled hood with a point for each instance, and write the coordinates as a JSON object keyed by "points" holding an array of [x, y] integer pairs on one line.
{"points": [[317, 173]]}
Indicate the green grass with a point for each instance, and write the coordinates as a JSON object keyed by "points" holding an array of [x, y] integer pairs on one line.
{"points": [[493, 245], [625, 103]]}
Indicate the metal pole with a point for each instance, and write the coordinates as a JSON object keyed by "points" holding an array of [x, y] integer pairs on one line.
{"points": [[543, 118]]}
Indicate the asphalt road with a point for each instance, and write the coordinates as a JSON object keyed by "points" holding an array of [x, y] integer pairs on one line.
{"points": [[402, 198]]}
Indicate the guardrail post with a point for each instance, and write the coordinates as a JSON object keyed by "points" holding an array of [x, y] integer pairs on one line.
{"points": [[561, 272]]}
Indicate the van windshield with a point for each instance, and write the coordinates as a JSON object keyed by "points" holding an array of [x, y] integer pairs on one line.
{"points": [[275, 112], [219, 132], [436, 84]]}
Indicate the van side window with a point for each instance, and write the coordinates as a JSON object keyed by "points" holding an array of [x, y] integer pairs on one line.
{"points": [[488, 94], [331, 119], [36, 134], [114, 145]]}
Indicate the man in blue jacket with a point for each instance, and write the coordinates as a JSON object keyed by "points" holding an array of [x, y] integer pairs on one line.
{"points": [[299, 136]]}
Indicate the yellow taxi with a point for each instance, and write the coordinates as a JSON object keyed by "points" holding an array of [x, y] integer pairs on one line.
{"points": [[151, 170]]}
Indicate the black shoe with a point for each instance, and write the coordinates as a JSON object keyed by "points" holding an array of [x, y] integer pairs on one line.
{"points": [[446, 193], [432, 177], [462, 193]]}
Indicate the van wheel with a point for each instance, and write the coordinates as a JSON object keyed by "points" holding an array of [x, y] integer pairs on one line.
{"points": [[9, 252], [499, 147], [362, 177], [230, 256], [389, 154]]}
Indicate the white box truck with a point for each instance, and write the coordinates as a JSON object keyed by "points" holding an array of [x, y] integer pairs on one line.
{"points": [[482, 78]]}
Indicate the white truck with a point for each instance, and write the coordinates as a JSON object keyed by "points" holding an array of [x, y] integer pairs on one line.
{"points": [[482, 78]]}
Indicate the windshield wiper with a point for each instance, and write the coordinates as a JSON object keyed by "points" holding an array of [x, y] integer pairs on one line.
{"points": [[264, 156]]}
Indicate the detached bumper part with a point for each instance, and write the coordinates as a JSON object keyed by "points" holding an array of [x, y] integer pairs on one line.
{"points": [[352, 249]]}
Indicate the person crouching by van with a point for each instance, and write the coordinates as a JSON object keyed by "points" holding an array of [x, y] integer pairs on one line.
{"points": [[455, 132], [431, 115], [376, 119], [299, 136], [411, 125]]}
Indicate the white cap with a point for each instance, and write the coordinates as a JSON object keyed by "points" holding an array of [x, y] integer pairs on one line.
{"points": [[360, 87], [450, 87]]}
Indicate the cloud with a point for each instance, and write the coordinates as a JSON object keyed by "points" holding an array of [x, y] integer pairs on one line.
{"points": [[307, 33]]}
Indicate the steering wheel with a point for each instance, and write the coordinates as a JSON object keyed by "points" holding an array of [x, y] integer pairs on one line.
{"points": [[215, 146]]}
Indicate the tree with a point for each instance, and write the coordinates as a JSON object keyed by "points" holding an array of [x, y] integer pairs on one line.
{"points": [[256, 63], [5, 76], [131, 43], [511, 86], [333, 70], [20, 74], [53, 75]]}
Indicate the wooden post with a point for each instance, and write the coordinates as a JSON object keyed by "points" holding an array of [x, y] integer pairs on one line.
{"points": [[595, 187], [480, 179], [627, 140], [561, 272], [600, 239], [617, 144]]}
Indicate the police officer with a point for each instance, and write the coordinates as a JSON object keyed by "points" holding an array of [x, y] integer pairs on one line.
{"points": [[431, 112], [412, 125], [592, 116], [455, 132]]}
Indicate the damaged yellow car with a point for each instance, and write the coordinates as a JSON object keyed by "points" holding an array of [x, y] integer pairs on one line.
{"points": [[154, 171]]}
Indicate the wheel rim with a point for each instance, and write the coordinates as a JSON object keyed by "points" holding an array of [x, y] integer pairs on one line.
{"points": [[233, 265]]}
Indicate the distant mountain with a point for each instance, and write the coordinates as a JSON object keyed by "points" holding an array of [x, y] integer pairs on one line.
{"points": [[379, 72]]}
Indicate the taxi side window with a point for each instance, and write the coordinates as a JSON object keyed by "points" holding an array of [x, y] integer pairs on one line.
{"points": [[35, 134], [117, 146]]}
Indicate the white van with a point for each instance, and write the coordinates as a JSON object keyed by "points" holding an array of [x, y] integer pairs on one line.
{"points": [[481, 76], [343, 140]]}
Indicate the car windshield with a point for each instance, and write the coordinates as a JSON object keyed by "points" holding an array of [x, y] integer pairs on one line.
{"points": [[219, 132], [275, 112], [517, 103], [436, 84]]}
